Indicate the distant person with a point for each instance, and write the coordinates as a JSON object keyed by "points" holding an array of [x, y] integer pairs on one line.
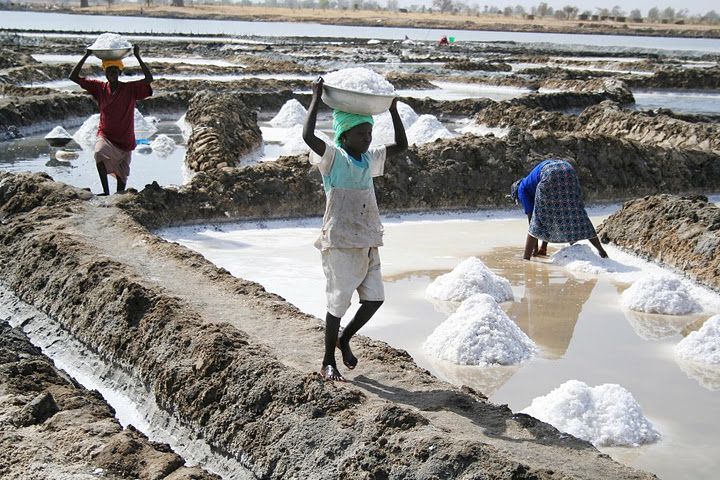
{"points": [[116, 100], [443, 40], [552, 200], [351, 231]]}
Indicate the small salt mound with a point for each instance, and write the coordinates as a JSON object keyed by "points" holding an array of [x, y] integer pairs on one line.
{"points": [[662, 294], [604, 415], [295, 143], [163, 145], [291, 114], [702, 346], [360, 79], [580, 258], [427, 128], [144, 128], [110, 41], [384, 131], [479, 333], [58, 132], [471, 276], [86, 135]]}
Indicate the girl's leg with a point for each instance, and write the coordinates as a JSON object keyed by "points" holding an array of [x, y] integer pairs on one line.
{"points": [[531, 245], [543, 249], [364, 313], [120, 185], [329, 367]]}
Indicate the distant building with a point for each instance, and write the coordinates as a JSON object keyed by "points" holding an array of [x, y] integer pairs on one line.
{"points": [[620, 19], [583, 16]]}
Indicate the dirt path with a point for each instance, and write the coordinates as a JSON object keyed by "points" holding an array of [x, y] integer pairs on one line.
{"points": [[296, 340]]}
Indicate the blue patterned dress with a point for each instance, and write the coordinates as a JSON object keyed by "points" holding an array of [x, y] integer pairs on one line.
{"points": [[552, 193]]}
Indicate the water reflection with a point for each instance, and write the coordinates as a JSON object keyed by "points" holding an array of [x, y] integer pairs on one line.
{"points": [[551, 301], [651, 326]]}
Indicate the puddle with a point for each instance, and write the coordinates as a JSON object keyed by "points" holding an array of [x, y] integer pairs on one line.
{"points": [[575, 319]]}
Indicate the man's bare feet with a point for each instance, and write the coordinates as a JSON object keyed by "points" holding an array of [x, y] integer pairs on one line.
{"points": [[349, 359], [331, 374]]}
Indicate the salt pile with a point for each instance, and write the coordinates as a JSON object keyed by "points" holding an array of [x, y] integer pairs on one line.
{"points": [[470, 277], [702, 346], [479, 333], [384, 131], [185, 127], [427, 129], [163, 145], [110, 41], [58, 132], [86, 135], [604, 415], [580, 258], [292, 113], [295, 143], [360, 79], [662, 294]]}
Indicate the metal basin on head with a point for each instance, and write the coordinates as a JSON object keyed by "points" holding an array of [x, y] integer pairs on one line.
{"points": [[111, 53], [355, 102]]}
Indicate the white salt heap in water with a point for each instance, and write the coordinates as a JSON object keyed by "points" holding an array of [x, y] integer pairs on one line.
{"points": [[383, 130], [86, 135], [292, 113], [604, 415], [471, 276], [295, 143], [662, 294], [163, 145], [360, 79], [110, 41], [479, 333], [185, 127], [702, 346], [58, 132], [427, 128], [581, 258]]}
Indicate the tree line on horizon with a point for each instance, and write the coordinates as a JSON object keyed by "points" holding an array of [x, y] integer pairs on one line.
{"points": [[453, 7]]}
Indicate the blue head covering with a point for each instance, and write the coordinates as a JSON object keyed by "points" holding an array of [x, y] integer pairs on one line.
{"points": [[344, 121]]}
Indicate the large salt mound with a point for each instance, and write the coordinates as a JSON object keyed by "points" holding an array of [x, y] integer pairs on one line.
{"points": [[603, 415], [384, 131], [702, 346], [479, 333], [110, 41], [662, 294], [58, 132], [292, 113], [471, 276], [427, 128], [163, 145], [360, 79]]}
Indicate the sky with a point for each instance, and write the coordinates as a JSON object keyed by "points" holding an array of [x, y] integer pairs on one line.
{"points": [[693, 6]]}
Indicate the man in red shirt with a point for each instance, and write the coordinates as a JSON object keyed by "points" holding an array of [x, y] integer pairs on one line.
{"points": [[116, 133]]}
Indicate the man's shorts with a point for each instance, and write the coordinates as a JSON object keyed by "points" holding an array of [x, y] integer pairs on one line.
{"points": [[350, 269]]}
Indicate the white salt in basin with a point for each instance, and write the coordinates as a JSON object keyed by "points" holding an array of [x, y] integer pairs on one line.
{"points": [[664, 294], [110, 41], [292, 113], [468, 278], [58, 132], [702, 346], [479, 333], [604, 415], [359, 79]]}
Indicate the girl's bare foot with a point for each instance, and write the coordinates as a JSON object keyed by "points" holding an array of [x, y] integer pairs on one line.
{"points": [[349, 359], [331, 374]]}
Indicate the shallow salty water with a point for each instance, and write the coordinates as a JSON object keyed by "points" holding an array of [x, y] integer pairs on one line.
{"points": [[576, 319], [33, 154]]}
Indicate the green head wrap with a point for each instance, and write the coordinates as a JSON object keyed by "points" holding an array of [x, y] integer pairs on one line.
{"points": [[344, 121]]}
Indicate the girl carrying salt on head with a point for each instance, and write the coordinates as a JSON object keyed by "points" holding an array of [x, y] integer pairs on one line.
{"points": [[351, 231]]}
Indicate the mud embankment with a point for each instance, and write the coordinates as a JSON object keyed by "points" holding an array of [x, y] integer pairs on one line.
{"points": [[214, 352], [681, 232], [52, 427], [681, 78]]}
